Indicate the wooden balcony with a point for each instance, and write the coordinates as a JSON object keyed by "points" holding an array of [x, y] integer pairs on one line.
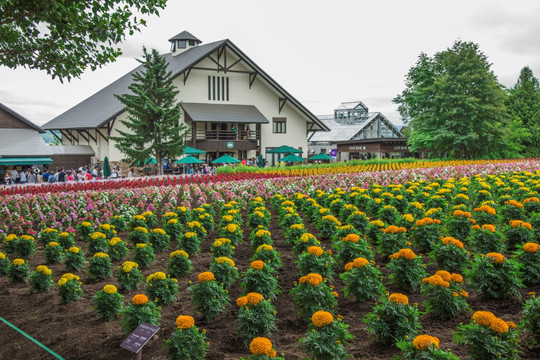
{"points": [[224, 140]]}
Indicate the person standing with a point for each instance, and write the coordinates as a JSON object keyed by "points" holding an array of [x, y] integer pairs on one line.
{"points": [[14, 175], [61, 175], [7, 179], [22, 176], [31, 177]]}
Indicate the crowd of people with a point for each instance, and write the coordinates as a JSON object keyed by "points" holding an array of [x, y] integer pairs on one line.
{"points": [[34, 175]]}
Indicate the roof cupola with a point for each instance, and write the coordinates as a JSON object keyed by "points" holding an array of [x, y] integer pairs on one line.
{"points": [[182, 42]]}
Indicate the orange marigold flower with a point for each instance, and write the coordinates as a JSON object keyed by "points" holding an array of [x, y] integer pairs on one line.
{"points": [[483, 318], [530, 247], [456, 278], [392, 229], [349, 266], [260, 346], [360, 262], [184, 322], [499, 325], [476, 227], [515, 223], [206, 276], [464, 293], [496, 257], [511, 324], [401, 229], [445, 275], [242, 301], [254, 298], [257, 264], [488, 227], [420, 223], [314, 279], [302, 280], [527, 226], [398, 298], [352, 238], [422, 342], [407, 254], [322, 318], [139, 299], [315, 250]]}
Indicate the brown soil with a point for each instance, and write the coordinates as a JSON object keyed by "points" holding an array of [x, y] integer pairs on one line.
{"points": [[75, 332]]}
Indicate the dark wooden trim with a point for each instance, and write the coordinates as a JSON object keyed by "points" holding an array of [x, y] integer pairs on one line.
{"points": [[234, 63], [186, 75], [70, 139], [80, 132], [252, 77], [56, 136], [75, 139], [210, 69], [110, 125], [282, 102], [90, 135], [103, 136]]}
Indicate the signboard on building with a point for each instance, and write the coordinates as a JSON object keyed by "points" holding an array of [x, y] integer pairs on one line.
{"points": [[229, 145]]}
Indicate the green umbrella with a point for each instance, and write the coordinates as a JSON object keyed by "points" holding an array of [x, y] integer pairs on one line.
{"points": [[291, 158], [321, 156], [225, 159], [260, 160], [192, 151], [285, 149], [106, 167], [189, 160]]}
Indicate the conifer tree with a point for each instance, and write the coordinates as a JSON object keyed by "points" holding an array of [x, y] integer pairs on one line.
{"points": [[153, 114]]}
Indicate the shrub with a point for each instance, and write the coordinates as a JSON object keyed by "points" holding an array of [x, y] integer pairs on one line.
{"points": [[197, 228], [25, 246], [261, 349], [162, 288], [190, 242], [424, 347], [187, 342], [495, 276], [74, 258], [305, 241], [144, 255], [179, 263], [207, 296], [100, 266], [41, 279], [390, 240], [450, 254], [232, 232], [407, 269], [486, 239], [66, 239], [108, 303], [326, 338], [54, 253], [225, 271], [312, 293], [426, 233], [47, 235], [316, 260], [18, 270], [69, 288], [351, 247], [85, 228], [362, 280], [173, 228], [222, 247], [459, 224], [270, 256], [517, 233], [139, 235], [256, 317], [117, 249], [393, 320], [529, 257], [140, 311], [260, 236], [129, 276], [488, 337], [444, 295], [258, 278], [119, 223], [159, 239], [98, 243]]}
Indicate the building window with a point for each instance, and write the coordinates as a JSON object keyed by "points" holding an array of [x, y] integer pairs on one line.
{"points": [[218, 88], [323, 151], [279, 125], [181, 44], [191, 42], [173, 46]]}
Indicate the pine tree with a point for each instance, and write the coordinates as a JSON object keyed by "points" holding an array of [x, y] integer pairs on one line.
{"points": [[153, 114]]}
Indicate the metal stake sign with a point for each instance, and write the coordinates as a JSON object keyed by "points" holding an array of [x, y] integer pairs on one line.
{"points": [[138, 338]]}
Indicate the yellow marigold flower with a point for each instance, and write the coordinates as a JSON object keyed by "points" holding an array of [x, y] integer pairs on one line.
{"points": [[140, 246], [63, 234], [265, 247], [139, 299], [156, 276], [86, 224], [530, 247], [306, 236], [313, 279], [110, 289], [139, 217], [223, 259], [2, 256], [114, 241], [398, 298], [184, 322], [422, 342], [499, 325], [158, 231], [74, 250], [217, 243], [496, 257], [27, 237], [242, 301], [360, 262], [254, 298], [231, 228], [407, 254], [260, 346], [262, 232], [483, 318], [322, 318], [127, 268], [227, 218], [182, 208], [192, 224], [170, 214], [172, 221], [315, 250], [257, 264], [62, 281], [131, 263], [141, 229], [42, 268], [70, 276], [349, 266], [206, 276], [53, 244], [147, 213], [100, 255]]}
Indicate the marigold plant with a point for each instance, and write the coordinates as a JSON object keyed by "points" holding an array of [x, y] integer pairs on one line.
{"points": [[485, 238], [159, 239], [140, 311], [207, 296], [517, 233], [18, 270], [190, 242], [4, 264], [225, 271], [139, 235], [316, 260], [144, 255], [25, 246], [161, 288], [117, 249], [424, 347], [494, 276], [74, 258], [529, 258], [362, 280], [426, 233], [488, 337], [407, 269], [326, 337], [450, 254], [179, 263], [41, 279], [108, 303], [444, 295], [187, 341], [312, 293], [259, 278], [390, 240], [256, 317], [393, 320], [270, 256], [100, 266], [530, 320], [129, 276], [69, 288], [351, 247]]}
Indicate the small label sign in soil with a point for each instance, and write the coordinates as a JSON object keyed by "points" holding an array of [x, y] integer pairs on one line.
{"points": [[139, 337]]}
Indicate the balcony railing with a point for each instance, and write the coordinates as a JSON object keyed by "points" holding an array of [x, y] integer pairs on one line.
{"points": [[224, 135]]}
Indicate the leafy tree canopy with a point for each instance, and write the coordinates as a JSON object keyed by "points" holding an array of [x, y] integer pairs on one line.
{"points": [[153, 114], [65, 37], [453, 103]]}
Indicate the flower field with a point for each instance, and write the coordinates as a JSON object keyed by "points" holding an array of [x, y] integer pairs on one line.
{"points": [[434, 262]]}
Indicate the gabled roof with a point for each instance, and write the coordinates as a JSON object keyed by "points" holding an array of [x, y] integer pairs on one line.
{"points": [[223, 113], [21, 118], [103, 106], [22, 143], [184, 35], [341, 132], [352, 105]]}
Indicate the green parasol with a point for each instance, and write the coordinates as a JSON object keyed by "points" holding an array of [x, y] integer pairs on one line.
{"points": [[225, 159], [321, 156], [291, 158], [285, 149], [192, 151], [106, 167], [190, 159]]}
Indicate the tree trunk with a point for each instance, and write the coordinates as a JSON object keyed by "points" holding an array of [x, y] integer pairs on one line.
{"points": [[159, 165]]}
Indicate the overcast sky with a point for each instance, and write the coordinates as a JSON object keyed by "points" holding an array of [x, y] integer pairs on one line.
{"points": [[322, 52]]}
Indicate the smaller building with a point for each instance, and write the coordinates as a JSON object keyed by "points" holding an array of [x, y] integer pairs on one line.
{"points": [[357, 133]]}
